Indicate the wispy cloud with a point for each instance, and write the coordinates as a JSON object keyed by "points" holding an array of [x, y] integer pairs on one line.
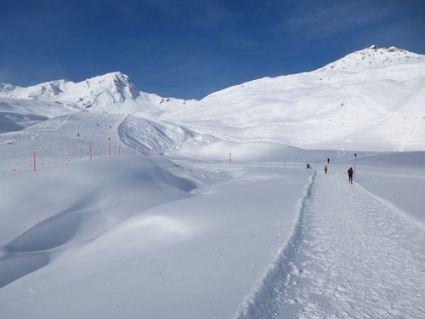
{"points": [[333, 17]]}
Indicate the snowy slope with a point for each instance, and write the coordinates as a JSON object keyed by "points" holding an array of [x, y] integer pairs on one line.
{"points": [[363, 101], [16, 114]]}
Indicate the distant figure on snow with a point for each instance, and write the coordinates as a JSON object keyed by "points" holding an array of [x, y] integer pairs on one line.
{"points": [[326, 168], [350, 175], [328, 160], [307, 166]]}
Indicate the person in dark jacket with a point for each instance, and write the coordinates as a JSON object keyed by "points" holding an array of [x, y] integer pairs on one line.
{"points": [[350, 175]]}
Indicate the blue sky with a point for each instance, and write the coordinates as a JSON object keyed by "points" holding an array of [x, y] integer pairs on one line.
{"points": [[190, 48]]}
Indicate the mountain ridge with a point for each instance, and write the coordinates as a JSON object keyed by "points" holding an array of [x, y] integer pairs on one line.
{"points": [[97, 92], [369, 99]]}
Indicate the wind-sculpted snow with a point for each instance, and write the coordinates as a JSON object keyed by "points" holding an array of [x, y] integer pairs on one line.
{"points": [[84, 201], [153, 138]]}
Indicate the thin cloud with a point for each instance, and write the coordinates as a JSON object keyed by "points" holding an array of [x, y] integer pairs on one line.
{"points": [[338, 17]]}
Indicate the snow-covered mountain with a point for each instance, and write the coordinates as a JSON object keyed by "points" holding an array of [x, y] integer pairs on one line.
{"points": [[112, 92], [374, 57], [368, 100], [371, 99]]}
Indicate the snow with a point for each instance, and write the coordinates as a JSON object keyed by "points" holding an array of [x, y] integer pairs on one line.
{"points": [[112, 92], [369, 260], [194, 245], [372, 106], [146, 207]]}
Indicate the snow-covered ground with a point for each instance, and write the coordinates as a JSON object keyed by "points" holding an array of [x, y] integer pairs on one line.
{"points": [[358, 256], [143, 207]]}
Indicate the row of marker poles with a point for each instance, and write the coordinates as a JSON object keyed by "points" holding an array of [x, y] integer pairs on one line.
{"points": [[34, 156]]}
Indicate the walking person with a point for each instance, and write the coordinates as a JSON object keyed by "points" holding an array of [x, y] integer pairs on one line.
{"points": [[350, 175], [326, 168]]}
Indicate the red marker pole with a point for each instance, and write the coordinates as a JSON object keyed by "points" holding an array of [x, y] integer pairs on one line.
{"points": [[34, 166]]}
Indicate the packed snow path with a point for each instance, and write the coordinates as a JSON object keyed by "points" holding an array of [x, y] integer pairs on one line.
{"points": [[359, 257]]}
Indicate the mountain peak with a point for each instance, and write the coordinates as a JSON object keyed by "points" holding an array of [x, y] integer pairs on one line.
{"points": [[107, 89], [374, 57], [116, 75]]}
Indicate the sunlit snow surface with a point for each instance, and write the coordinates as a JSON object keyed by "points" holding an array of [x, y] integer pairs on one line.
{"points": [[205, 209]]}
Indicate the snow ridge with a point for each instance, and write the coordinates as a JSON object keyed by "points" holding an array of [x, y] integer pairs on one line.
{"points": [[264, 302]]}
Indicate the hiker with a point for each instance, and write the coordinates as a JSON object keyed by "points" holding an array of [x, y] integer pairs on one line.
{"points": [[350, 175], [326, 168], [308, 166], [329, 160]]}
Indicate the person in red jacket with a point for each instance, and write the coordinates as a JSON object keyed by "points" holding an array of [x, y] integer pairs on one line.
{"points": [[350, 175]]}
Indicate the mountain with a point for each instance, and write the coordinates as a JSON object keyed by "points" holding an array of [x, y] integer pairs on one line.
{"points": [[370, 99], [375, 57], [112, 92]]}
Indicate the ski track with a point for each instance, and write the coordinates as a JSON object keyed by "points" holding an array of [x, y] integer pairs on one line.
{"points": [[358, 258]]}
